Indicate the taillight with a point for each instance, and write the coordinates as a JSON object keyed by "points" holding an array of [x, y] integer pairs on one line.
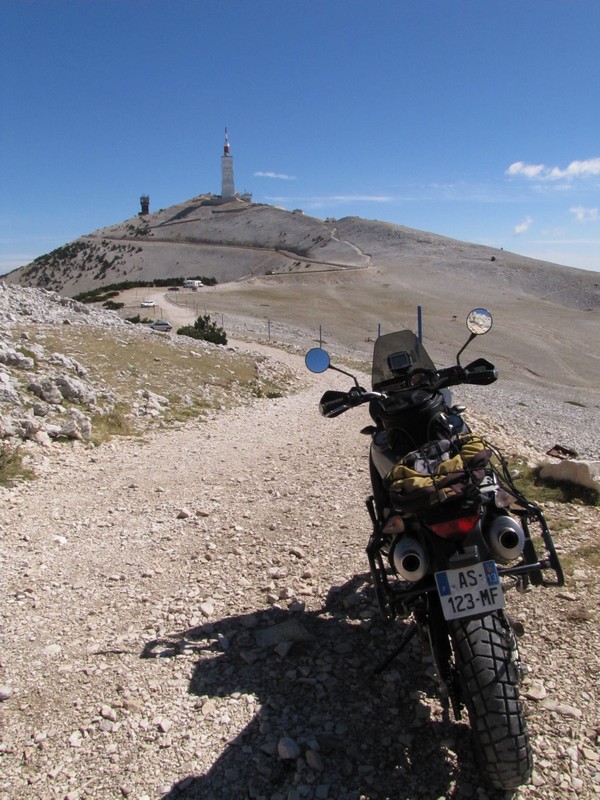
{"points": [[454, 528]]}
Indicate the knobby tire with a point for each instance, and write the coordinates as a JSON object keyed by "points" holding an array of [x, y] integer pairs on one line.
{"points": [[488, 671]]}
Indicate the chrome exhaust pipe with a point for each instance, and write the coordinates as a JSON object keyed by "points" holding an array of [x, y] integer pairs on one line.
{"points": [[506, 539], [409, 559]]}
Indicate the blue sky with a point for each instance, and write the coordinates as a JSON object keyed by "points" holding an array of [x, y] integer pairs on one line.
{"points": [[475, 119]]}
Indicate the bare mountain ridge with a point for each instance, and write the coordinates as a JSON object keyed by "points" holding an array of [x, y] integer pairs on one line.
{"points": [[229, 241], [429, 257], [236, 241]]}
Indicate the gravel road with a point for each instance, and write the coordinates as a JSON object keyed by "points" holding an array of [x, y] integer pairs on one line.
{"points": [[189, 616]]}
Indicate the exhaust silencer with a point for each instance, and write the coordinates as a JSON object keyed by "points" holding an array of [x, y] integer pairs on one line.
{"points": [[506, 539], [409, 559]]}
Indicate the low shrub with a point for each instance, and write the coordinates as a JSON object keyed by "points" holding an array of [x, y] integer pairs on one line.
{"points": [[204, 328], [137, 320], [115, 423], [12, 468]]}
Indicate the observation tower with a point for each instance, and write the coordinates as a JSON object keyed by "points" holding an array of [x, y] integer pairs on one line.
{"points": [[227, 186]]}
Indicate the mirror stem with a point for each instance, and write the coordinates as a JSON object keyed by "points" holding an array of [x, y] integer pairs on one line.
{"points": [[349, 374], [464, 347]]}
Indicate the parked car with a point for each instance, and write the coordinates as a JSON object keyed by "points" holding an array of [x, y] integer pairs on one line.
{"points": [[173, 288], [161, 325], [148, 304]]}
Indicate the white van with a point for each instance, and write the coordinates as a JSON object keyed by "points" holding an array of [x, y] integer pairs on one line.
{"points": [[191, 284]]}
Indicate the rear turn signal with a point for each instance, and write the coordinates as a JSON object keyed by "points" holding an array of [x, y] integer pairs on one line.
{"points": [[455, 528], [395, 524]]}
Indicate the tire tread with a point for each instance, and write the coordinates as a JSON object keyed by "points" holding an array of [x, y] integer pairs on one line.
{"points": [[486, 660]]}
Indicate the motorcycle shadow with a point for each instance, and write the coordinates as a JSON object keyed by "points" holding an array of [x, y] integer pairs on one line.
{"points": [[355, 733]]}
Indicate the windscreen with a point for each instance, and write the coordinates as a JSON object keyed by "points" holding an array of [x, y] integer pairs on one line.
{"points": [[394, 356]]}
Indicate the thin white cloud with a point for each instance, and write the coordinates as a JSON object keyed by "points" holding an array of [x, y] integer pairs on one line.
{"points": [[576, 169], [524, 226], [585, 214], [529, 170], [279, 175]]}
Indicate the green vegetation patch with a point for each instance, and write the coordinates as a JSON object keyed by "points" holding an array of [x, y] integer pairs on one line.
{"points": [[589, 554], [12, 466], [114, 423], [586, 556], [195, 379], [206, 329], [138, 320], [546, 490], [102, 293]]}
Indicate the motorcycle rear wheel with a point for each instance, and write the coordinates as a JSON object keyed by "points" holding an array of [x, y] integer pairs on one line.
{"points": [[488, 669]]}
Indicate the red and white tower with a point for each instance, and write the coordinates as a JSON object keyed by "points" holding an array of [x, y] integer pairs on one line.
{"points": [[227, 186]]}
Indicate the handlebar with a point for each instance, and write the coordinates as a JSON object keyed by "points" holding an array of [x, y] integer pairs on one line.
{"points": [[335, 403], [480, 372]]}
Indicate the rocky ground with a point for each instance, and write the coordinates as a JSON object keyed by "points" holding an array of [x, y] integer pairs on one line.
{"points": [[187, 615]]}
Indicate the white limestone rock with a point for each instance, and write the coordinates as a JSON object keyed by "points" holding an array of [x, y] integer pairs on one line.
{"points": [[581, 473]]}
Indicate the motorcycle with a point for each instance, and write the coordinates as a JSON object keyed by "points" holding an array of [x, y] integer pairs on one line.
{"points": [[451, 533]]}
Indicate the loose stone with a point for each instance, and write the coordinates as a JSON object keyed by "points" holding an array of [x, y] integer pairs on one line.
{"points": [[287, 748]]}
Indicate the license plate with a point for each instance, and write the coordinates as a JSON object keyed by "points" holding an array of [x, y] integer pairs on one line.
{"points": [[468, 591]]}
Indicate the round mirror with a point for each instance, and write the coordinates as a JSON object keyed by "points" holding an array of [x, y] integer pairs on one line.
{"points": [[317, 359], [479, 321]]}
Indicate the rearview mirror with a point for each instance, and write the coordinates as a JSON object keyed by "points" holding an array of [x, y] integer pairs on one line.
{"points": [[479, 321], [317, 360]]}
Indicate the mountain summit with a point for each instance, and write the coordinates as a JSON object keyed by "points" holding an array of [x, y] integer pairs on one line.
{"points": [[229, 241], [236, 240]]}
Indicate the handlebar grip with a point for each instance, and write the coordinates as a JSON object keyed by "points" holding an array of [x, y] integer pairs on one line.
{"points": [[481, 372], [334, 403]]}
